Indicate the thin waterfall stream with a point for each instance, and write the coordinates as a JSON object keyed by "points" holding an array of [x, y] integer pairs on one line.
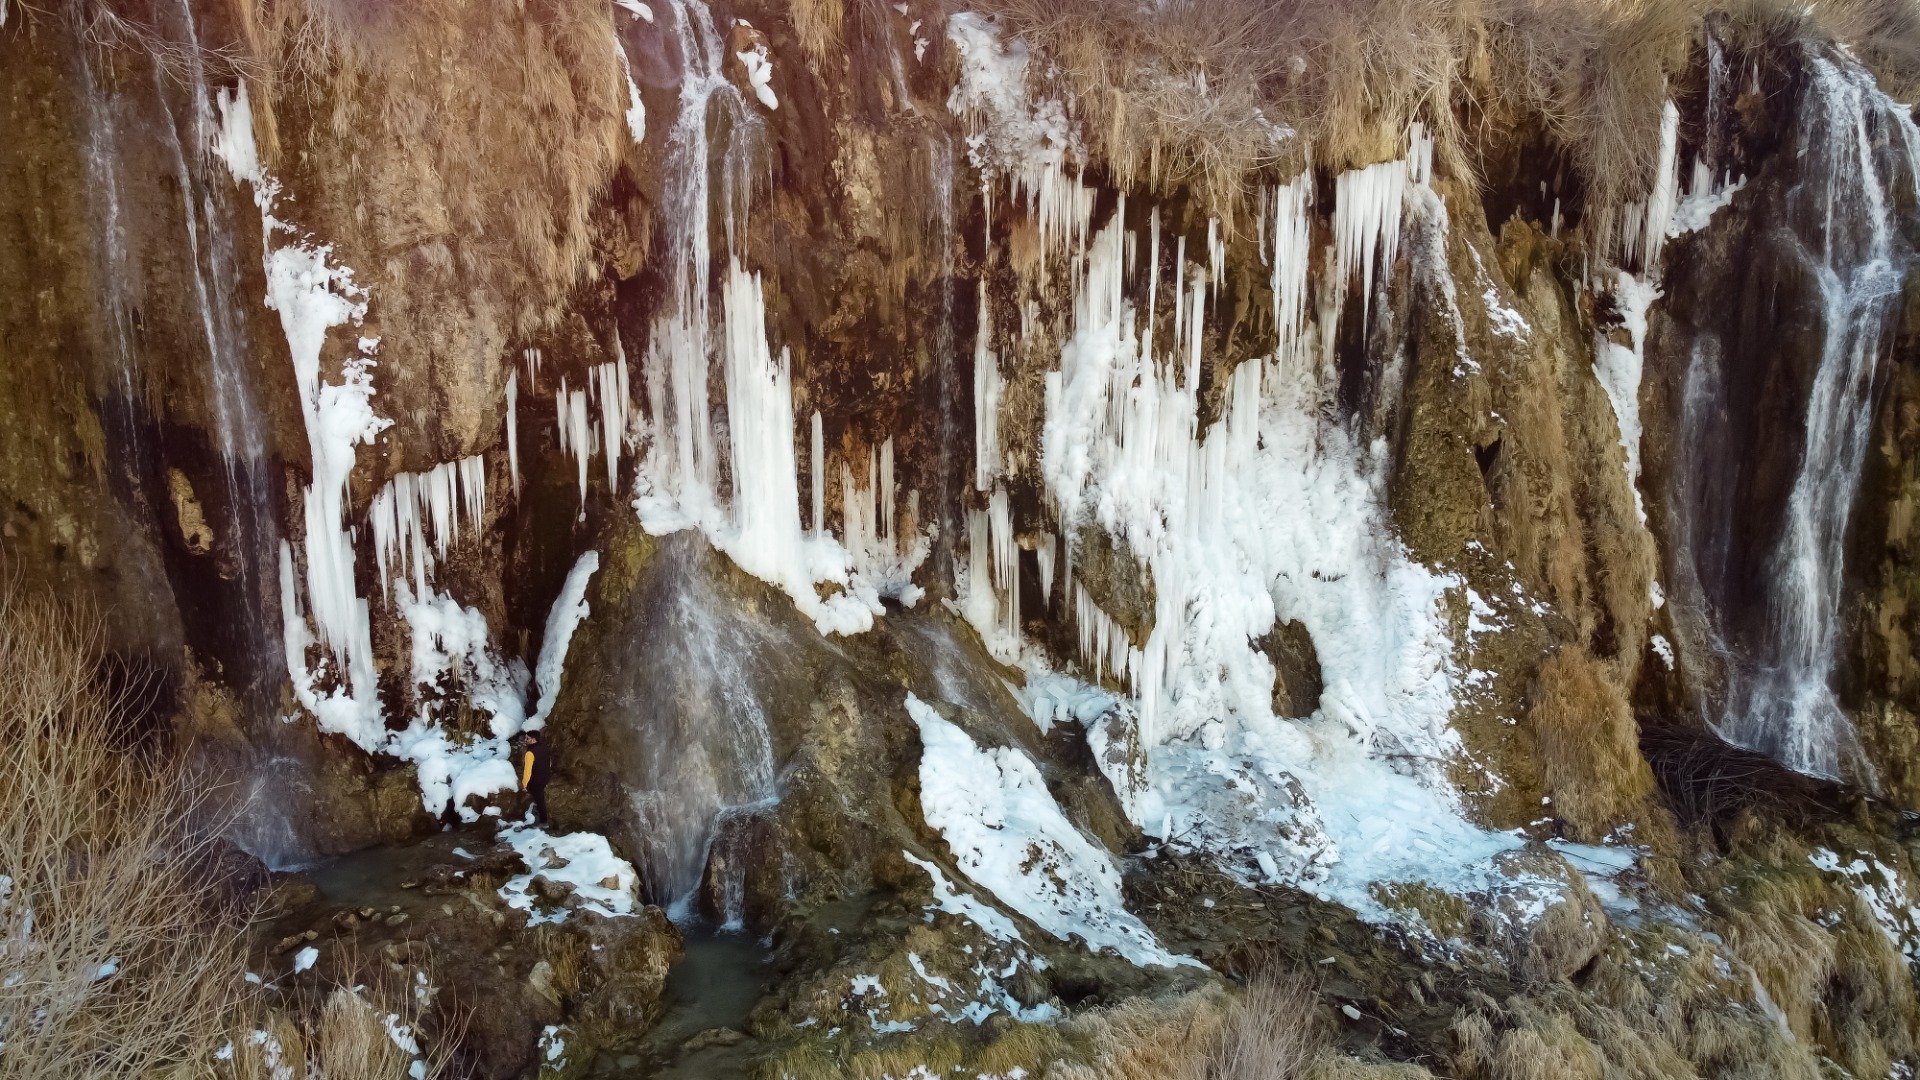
{"points": [[1857, 148]]}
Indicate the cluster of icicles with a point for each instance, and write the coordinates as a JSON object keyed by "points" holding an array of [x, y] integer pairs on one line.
{"points": [[1145, 379]]}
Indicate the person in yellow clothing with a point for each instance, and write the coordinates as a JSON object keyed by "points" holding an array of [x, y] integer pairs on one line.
{"points": [[533, 774]]}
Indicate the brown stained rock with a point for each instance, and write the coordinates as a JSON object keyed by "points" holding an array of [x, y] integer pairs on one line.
{"points": [[553, 891], [1117, 580], [189, 518], [1297, 683]]}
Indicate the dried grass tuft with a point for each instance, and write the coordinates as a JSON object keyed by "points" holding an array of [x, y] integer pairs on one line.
{"points": [[1589, 745]]}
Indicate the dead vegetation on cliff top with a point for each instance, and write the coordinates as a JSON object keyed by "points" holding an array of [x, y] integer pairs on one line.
{"points": [[1199, 93]]}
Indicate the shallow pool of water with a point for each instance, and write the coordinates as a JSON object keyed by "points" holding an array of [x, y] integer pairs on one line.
{"points": [[715, 987]]}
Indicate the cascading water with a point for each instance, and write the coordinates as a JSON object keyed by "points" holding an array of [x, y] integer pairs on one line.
{"points": [[238, 428], [116, 270], [1855, 148], [700, 747], [266, 824]]}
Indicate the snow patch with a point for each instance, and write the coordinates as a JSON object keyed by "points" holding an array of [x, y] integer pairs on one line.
{"points": [[601, 882], [1010, 837], [951, 900], [636, 109], [1882, 891]]}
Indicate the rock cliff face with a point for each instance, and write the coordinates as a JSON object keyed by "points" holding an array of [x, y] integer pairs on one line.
{"points": [[983, 562]]}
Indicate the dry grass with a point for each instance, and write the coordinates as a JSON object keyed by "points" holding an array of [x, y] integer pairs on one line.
{"points": [[1589, 745], [817, 23], [1147, 1040], [353, 1033], [1673, 1004], [1840, 982], [350, 1040], [1334, 1066], [1272, 1032], [119, 956]]}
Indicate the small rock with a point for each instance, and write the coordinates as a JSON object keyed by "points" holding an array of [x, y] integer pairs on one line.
{"points": [[396, 918], [712, 1037]]}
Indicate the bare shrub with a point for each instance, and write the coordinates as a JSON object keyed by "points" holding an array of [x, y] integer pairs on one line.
{"points": [[1706, 780], [117, 955]]}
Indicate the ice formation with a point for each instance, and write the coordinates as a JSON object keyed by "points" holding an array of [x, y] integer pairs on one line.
{"points": [[870, 528], [1009, 836], [1029, 142], [986, 399], [513, 429], [1275, 513], [415, 506], [595, 419], [415, 519], [677, 484], [1291, 263], [313, 295], [758, 63], [569, 609], [1618, 367]]}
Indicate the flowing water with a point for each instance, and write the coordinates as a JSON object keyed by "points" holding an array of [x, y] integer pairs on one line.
{"points": [[684, 453], [239, 431], [698, 745], [954, 398], [243, 508], [117, 271], [1856, 151]]}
